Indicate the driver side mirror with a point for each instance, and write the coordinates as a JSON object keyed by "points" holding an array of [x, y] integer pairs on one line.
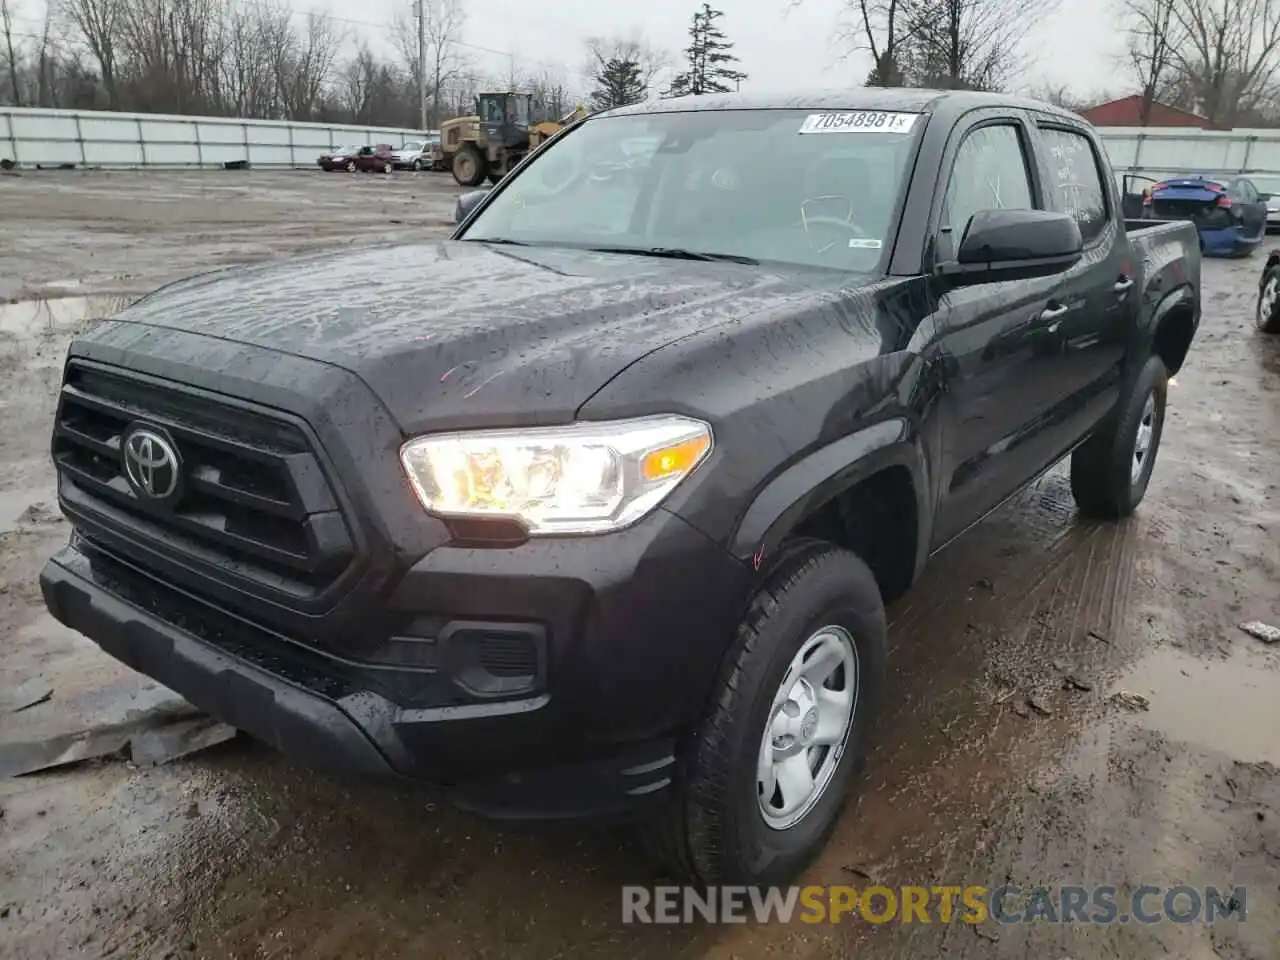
{"points": [[1015, 245], [466, 203]]}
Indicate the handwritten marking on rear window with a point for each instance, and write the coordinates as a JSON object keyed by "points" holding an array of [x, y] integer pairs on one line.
{"points": [[858, 121]]}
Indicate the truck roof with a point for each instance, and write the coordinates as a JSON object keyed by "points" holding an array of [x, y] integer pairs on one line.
{"points": [[906, 99]]}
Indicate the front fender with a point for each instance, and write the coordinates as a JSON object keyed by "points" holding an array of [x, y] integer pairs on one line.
{"points": [[826, 473]]}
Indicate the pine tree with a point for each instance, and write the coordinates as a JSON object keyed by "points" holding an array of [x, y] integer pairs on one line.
{"points": [[710, 60], [619, 82]]}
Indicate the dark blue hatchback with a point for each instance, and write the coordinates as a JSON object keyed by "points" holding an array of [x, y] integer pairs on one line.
{"points": [[1229, 212]]}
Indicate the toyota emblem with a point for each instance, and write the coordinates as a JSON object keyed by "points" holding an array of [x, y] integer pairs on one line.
{"points": [[151, 463]]}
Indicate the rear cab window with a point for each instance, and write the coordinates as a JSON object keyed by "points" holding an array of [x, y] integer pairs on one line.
{"points": [[1074, 179]]}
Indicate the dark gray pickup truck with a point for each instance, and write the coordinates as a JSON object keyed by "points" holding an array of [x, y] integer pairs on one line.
{"points": [[594, 507]]}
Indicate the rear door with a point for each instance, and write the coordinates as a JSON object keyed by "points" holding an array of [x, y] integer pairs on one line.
{"points": [[1099, 290], [1253, 211]]}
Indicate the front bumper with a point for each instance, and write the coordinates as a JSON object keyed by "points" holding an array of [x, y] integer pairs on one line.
{"points": [[633, 629]]}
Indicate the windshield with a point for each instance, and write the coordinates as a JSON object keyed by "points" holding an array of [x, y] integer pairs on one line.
{"points": [[792, 186], [413, 145], [338, 151]]}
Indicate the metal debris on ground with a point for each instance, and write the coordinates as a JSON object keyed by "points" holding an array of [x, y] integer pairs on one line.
{"points": [[1263, 631], [27, 694], [1132, 701], [1073, 681], [157, 745]]}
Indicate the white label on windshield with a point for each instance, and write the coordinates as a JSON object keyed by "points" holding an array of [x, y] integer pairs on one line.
{"points": [[858, 121], [859, 243]]}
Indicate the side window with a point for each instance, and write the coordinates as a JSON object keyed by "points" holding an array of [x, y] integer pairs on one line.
{"points": [[1247, 193], [1075, 180], [989, 172]]}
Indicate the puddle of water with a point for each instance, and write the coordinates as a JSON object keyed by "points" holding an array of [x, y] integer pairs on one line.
{"points": [[29, 318], [1231, 705]]}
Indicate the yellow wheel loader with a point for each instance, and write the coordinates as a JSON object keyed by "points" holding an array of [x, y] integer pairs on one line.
{"points": [[497, 137]]}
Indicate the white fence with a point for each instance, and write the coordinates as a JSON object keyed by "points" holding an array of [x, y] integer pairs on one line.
{"points": [[37, 137], [1166, 151], [51, 138]]}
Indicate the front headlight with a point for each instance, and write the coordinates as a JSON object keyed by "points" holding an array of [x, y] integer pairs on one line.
{"points": [[589, 477]]}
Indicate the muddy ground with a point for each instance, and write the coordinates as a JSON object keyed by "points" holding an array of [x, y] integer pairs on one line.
{"points": [[234, 852]]}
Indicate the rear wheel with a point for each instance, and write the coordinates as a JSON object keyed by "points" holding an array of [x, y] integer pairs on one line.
{"points": [[386, 167], [1267, 313], [469, 166], [1111, 470], [767, 770]]}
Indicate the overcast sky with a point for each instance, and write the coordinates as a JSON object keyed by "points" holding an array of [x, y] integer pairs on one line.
{"points": [[779, 45]]}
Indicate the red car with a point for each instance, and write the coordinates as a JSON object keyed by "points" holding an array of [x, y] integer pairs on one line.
{"points": [[351, 159]]}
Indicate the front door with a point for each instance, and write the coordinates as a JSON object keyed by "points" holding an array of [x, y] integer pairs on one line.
{"points": [[998, 341]]}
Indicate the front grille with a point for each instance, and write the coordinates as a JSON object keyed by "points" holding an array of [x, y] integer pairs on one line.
{"points": [[254, 500]]}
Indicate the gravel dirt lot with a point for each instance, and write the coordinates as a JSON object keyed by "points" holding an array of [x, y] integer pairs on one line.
{"points": [[234, 852]]}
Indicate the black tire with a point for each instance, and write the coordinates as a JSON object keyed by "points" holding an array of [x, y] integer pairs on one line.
{"points": [[712, 830], [1102, 472], [351, 166], [1268, 319], [387, 168], [469, 166], [417, 165]]}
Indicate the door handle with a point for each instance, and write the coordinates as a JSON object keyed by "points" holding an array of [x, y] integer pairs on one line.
{"points": [[1122, 285], [1054, 313]]}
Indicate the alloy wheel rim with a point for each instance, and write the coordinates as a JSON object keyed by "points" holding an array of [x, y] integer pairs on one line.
{"points": [[1143, 440], [808, 727], [1267, 302]]}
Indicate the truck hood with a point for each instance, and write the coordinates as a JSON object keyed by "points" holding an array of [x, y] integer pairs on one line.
{"points": [[454, 334]]}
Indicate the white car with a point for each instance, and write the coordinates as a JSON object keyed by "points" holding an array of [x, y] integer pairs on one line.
{"points": [[414, 155]]}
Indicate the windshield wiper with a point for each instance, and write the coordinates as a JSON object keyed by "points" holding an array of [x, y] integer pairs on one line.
{"points": [[505, 241], [675, 253]]}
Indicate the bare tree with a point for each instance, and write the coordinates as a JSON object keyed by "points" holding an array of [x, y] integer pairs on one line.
{"points": [[11, 55], [1155, 35], [970, 44], [633, 49], [444, 20], [1228, 53], [881, 27]]}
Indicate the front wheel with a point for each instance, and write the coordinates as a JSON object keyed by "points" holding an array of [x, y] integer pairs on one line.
{"points": [[351, 166], [469, 166], [1267, 313], [1111, 470], [387, 168], [766, 772], [417, 165]]}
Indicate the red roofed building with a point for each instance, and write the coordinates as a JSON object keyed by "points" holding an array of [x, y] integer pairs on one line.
{"points": [[1127, 112]]}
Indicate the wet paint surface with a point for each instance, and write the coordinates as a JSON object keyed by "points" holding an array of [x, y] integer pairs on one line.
{"points": [[236, 853]]}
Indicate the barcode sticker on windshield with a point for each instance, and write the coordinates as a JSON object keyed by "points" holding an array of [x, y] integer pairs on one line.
{"points": [[858, 121]]}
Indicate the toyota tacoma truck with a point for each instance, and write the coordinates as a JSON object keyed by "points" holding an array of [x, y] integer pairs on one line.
{"points": [[593, 508]]}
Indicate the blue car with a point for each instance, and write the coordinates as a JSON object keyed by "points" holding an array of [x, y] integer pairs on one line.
{"points": [[1229, 212]]}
